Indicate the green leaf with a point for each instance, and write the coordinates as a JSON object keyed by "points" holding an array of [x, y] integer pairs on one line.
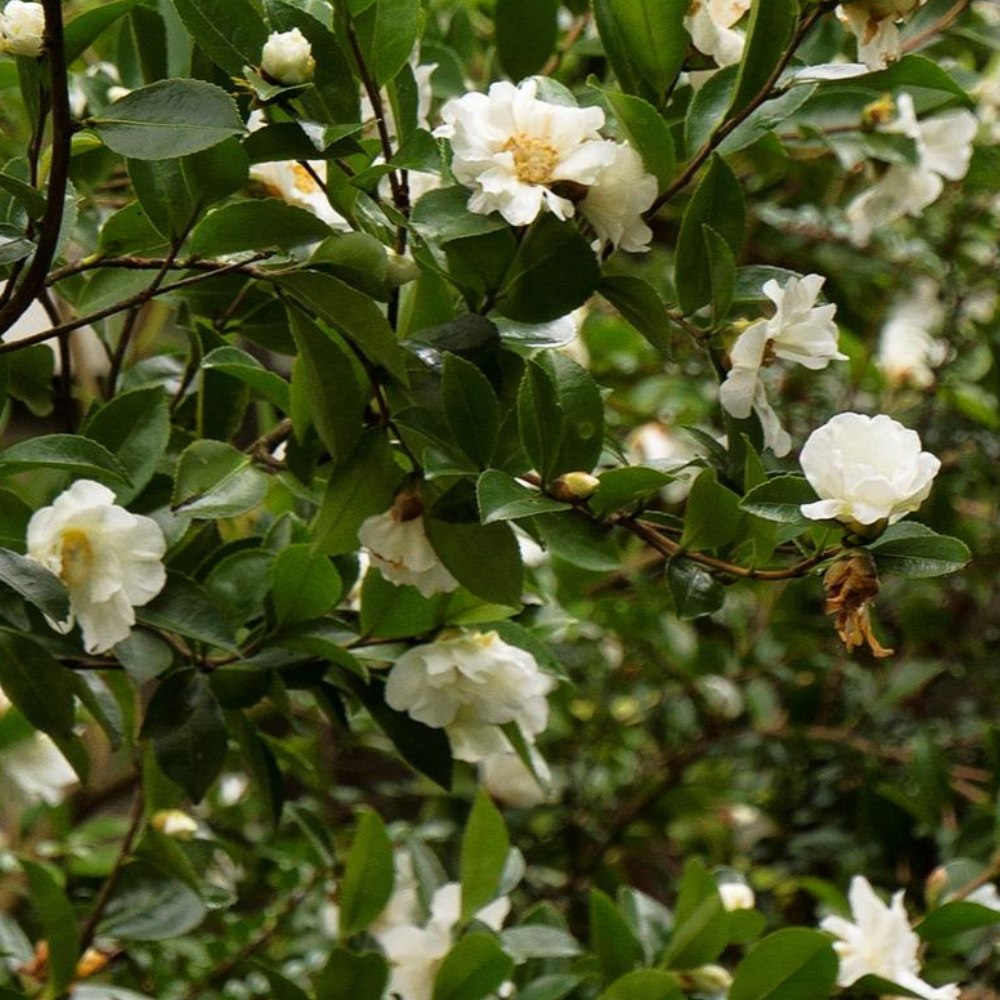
{"points": [[557, 986], [14, 245], [215, 480], [471, 408], [30, 372], [442, 215], [540, 419], [368, 875], [245, 367], [31, 199], [618, 952], [187, 730], [787, 965], [579, 540], [525, 35], [256, 225], [651, 37], [503, 498], [473, 970], [174, 193], [879, 986], [640, 304], [36, 684], [230, 32], [306, 585], [913, 550], [352, 314], [623, 487], [712, 514], [701, 928], [956, 918], [168, 118], [721, 271], [68, 453], [35, 584], [185, 608], [539, 941], [694, 590], [780, 499], [553, 272], [768, 35], [84, 29], [393, 612], [647, 132], [717, 202], [14, 517], [59, 927], [485, 846], [135, 427], [388, 30], [484, 558], [148, 904], [326, 385], [644, 984], [915, 70], [350, 976], [363, 485]]}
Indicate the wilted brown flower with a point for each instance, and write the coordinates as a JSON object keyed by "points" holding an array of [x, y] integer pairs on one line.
{"points": [[851, 584]]}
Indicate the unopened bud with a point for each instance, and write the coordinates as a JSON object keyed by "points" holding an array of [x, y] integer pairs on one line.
{"points": [[287, 58], [400, 269], [174, 823], [574, 486], [737, 896], [710, 979], [22, 28], [935, 886]]}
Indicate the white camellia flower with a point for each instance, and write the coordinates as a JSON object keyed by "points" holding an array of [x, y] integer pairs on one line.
{"points": [[866, 470], [944, 150], [22, 28], [874, 24], [907, 350], [879, 942], [799, 331], [287, 58], [415, 952], [401, 551], [32, 770], [510, 147], [470, 684], [614, 204], [710, 25], [110, 560]]}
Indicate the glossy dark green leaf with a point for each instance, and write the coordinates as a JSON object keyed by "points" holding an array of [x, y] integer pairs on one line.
{"points": [[306, 584], [185, 608], [640, 304], [168, 118], [473, 970], [525, 35], [348, 975], [623, 487], [388, 30], [485, 846], [31, 199], [68, 453], [188, 731], [83, 30], [326, 387], [787, 965], [471, 408], [712, 514], [780, 499], [912, 550], [245, 367], [36, 684], [149, 904], [695, 592], [503, 498], [768, 36], [256, 225], [646, 132], [58, 925], [230, 32], [721, 271], [215, 480], [35, 584], [135, 428], [368, 875], [618, 952], [553, 272], [644, 984], [484, 558], [701, 923], [717, 202]]}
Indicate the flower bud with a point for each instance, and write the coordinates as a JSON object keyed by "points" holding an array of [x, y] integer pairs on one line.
{"points": [[22, 27], [935, 885], [574, 486], [287, 58], [401, 269], [737, 896], [174, 823], [710, 979]]}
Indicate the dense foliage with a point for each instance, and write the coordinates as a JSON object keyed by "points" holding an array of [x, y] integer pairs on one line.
{"points": [[499, 498]]}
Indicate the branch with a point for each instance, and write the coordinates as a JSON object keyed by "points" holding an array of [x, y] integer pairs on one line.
{"points": [[131, 263], [62, 127]]}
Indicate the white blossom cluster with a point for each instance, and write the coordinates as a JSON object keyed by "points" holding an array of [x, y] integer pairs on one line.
{"points": [[875, 25]]}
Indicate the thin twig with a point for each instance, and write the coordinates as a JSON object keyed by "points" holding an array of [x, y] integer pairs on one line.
{"points": [[131, 263]]}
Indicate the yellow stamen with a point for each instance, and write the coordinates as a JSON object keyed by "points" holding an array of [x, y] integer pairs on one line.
{"points": [[534, 158], [77, 557], [304, 181]]}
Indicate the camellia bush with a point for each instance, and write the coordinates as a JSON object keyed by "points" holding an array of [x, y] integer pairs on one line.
{"points": [[499, 498]]}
